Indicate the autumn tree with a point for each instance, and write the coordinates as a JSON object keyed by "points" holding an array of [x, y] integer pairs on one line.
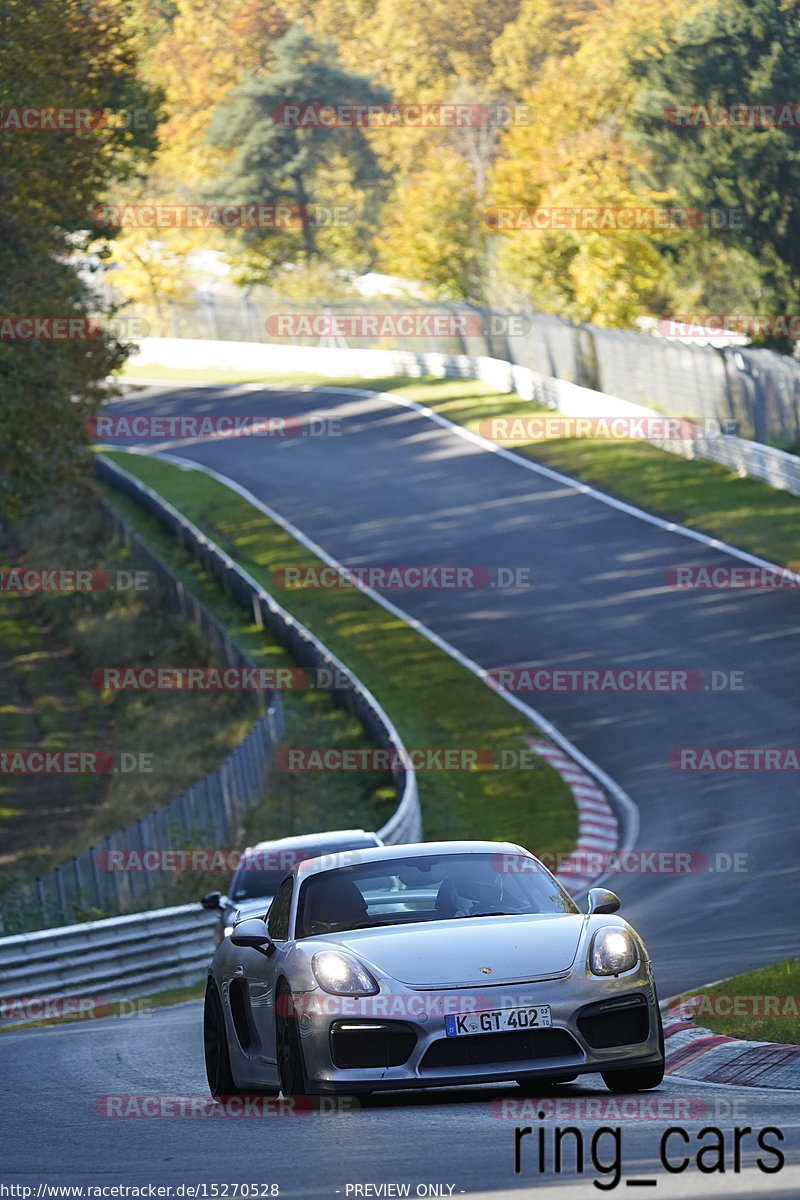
{"points": [[540, 30], [731, 54], [430, 229], [576, 154], [208, 49], [59, 54], [310, 168]]}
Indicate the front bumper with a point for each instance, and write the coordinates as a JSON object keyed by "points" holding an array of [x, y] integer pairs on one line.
{"points": [[597, 1024]]}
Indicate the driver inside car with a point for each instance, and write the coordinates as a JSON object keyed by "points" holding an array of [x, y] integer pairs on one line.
{"points": [[465, 892]]}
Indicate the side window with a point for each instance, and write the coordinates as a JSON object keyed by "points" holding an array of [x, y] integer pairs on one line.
{"points": [[278, 915]]}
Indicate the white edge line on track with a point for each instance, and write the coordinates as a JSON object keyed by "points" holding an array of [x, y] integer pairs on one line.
{"points": [[626, 806]]}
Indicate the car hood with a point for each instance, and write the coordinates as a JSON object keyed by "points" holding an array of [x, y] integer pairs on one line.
{"points": [[441, 954]]}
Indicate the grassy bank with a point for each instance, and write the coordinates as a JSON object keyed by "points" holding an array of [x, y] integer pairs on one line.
{"points": [[49, 645], [761, 1005]]}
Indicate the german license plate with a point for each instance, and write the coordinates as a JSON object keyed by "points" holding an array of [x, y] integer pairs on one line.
{"points": [[501, 1020]]}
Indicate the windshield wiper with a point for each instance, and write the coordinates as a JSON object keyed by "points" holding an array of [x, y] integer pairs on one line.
{"points": [[372, 925], [486, 914]]}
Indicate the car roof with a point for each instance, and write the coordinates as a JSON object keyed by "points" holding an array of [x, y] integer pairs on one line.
{"points": [[306, 841], [314, 866]]}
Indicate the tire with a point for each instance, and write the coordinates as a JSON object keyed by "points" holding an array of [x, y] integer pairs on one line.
{"points": [[291, 1069], [638, 1079], [215, 1045]]}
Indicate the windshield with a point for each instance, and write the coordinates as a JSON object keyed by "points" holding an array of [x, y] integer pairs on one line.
{"points": [[255, 885], [261, 871], [427, 888]]}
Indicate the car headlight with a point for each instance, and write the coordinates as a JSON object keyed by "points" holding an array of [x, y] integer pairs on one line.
{"points": [[613, 951], [341, 975], [228, 931]]}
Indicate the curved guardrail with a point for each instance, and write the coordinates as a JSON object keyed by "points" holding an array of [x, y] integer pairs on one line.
{"points": [[100, 961]]}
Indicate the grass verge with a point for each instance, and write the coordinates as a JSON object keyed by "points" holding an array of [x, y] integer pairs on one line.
{"points": [[761, 1005], [292, 804]]}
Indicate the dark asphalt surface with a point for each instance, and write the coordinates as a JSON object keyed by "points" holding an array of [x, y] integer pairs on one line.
{"points": [[396, 489], [53, 1133]]}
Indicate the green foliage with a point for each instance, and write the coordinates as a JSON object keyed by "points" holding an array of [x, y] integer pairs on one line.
{"points": [[431, 231], [597, 81], [308, 168], [59, 54], [741, 52]]}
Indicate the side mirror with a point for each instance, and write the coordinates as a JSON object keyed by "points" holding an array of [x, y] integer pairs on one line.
{"points": [[212, 900], [603, 901], [252, 932]]}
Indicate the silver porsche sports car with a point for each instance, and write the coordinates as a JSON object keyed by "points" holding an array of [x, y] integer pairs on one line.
{"points": [[438, 963]]}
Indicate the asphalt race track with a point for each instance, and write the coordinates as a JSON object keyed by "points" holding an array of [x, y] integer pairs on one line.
{"points": [[395, 488], [449, 1138]]}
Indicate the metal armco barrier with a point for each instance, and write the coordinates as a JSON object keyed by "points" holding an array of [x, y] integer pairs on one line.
{"points": [[108, 960]]}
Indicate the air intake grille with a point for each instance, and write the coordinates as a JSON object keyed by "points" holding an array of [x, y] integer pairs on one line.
{"points": [[488, 1049]]}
